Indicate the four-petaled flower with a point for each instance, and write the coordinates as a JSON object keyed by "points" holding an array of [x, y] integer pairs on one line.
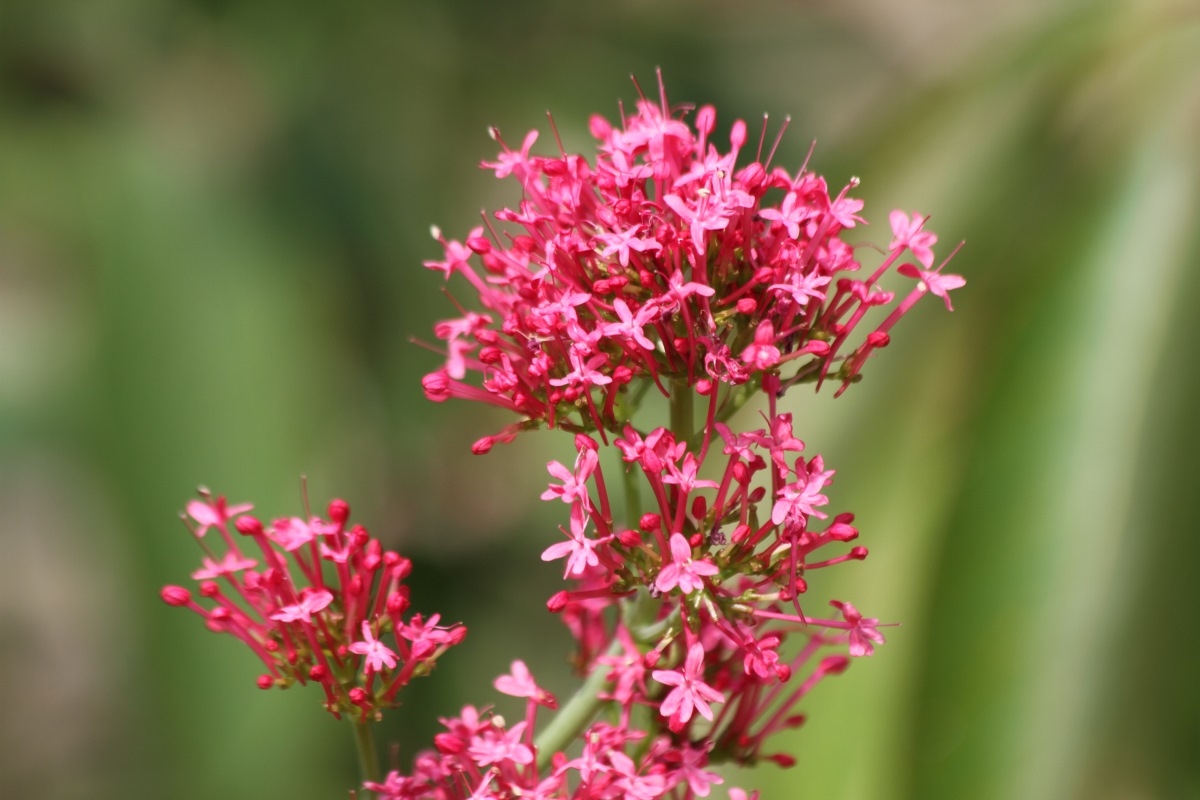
{"points": [[683, 571], [376, 655], [863, 631], [934, 282], [690, 692]]}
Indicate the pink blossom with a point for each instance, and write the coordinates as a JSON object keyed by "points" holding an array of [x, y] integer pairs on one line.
{"points": [[790, 214], [456, 258], [579, 550], [377, 655], [762, 354], [798, 501], [632, 785], [520, 683], [213, 512], [312, 601], [685, 477], [584, 372], [630, 326], [691, 770], [678, 290], [706, 215], [230, 563], [509, 162], [498, 746], [935, 282], [802, 287], [683, 571], [690, 691], [574, 483], [621, 243], [862, 631], [908, 233]]}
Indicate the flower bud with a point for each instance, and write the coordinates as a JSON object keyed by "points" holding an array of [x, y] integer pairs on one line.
{"points": [[629, 538], [650, 522], [436, 386], [249, 526], [175, 595], [449, 744], [878, 339], [339, 511]]}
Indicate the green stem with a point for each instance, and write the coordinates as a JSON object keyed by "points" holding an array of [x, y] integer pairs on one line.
{"points": [[368, 756], [573, 718], [682, 424], [633, 497]]}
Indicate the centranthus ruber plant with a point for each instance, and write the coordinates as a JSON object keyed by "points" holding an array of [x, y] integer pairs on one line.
{"points": [[663, 265]]}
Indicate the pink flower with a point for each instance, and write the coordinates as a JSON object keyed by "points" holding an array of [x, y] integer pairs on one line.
{"points": [[908, 233], [498, 746], [690, 691], [706, 215], [802, 287], [630, 326], [683, 571], [232, 562], [798, 501], [580, 550], [691, 769], [632, 785], [574, 484], [790, 214], [935, 282], [509, 162], [862, 631], [584, 373], [312, 601], [762, 354], [213, 512], [621, 243], [376, 654], [520, 683]]}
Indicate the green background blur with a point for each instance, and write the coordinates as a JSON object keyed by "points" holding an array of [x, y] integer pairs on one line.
{"points": [[212, 221]]}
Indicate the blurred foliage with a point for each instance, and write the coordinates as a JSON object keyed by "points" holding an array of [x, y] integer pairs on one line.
{"points": [[212, 218]]}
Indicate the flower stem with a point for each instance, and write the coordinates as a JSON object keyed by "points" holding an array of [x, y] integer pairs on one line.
{"points": [[633, 499], [574, 717], [368, 756], [682, 424]]}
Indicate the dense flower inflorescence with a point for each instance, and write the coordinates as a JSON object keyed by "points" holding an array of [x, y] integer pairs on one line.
{"points": [[664, 266], [322, 607]]}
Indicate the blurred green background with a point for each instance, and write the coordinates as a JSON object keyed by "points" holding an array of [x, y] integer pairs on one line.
{"points": [[212, 221]]}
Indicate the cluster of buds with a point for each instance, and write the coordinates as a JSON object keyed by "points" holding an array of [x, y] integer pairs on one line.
{"points": [[665, 267], [320, 609]]}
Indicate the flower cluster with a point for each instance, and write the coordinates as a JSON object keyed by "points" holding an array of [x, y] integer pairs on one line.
{"points": [[479, 755], [318, 609], [664, 266]]}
